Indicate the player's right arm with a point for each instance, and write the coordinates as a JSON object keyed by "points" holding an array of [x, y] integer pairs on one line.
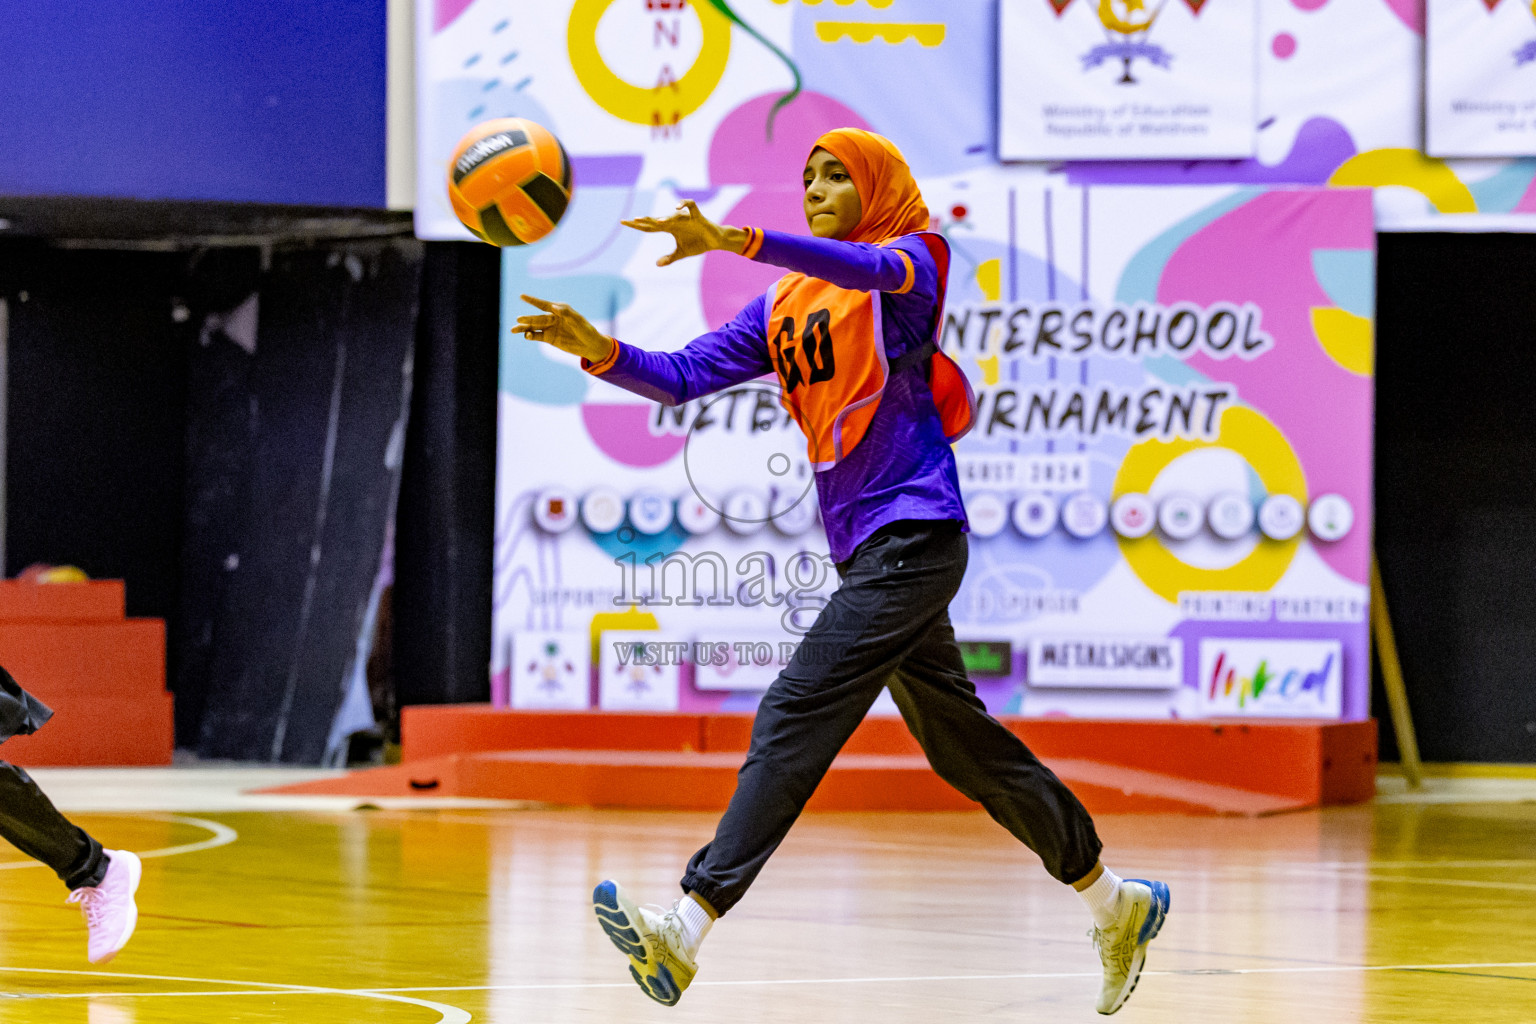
{"points": [[734, 354]]}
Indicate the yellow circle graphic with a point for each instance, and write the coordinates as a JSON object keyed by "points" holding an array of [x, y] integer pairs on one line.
{"points": [[1257, 440], [668, 101]]}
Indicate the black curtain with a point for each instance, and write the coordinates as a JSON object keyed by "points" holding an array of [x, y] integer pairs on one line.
{"points": [[1456, 488], [294, 448], [442, 595], [97, 385], [227, 429]]}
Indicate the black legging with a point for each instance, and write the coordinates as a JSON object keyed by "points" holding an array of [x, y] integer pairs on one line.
{"points": [[30, 822], [887, 625]]}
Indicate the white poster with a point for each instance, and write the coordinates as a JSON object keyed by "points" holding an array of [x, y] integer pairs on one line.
{"points": [[1127, 79], [1270, 678], [1481, 82], [639, 670], [551, 670]]}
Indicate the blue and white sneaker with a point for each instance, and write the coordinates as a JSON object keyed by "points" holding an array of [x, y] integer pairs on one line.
{"points": [[651, 937], [1123, 945]]}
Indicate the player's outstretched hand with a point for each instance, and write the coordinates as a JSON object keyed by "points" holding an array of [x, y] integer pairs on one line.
{"points": [[692, 232], [561, 326]]}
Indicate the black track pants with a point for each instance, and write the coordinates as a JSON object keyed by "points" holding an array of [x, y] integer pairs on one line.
{"points": [[887, 625]]}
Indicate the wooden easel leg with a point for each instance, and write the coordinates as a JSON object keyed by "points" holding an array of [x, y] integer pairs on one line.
{"points": [[1392, 676]]}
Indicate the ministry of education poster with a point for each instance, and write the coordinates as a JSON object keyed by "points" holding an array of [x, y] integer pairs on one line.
{"points": [[1480, 95], [1126, 79]]}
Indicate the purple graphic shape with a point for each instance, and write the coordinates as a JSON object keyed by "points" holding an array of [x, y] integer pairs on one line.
{"points": [[1321, 145], [1261, 253], [1150, 52], [935, 103], [621, 169], [622, 431]]}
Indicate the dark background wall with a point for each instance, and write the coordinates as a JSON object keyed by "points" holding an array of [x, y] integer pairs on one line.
{"points": [[240, 471], [1456, 488], [443, 543], [98, 369], [277, 101]]}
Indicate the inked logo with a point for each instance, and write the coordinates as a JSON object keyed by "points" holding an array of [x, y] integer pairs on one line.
{"points": [[1289, 685]]}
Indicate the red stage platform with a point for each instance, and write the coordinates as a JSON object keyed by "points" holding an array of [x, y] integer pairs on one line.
{"points": [[103, 674], [689, 762]]}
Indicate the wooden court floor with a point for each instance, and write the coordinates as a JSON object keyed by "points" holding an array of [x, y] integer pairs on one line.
{"points": [[1391, 912]]}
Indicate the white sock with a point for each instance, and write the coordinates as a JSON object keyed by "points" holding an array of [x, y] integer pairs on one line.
{"points": [[1103, 898], [696, 923]]}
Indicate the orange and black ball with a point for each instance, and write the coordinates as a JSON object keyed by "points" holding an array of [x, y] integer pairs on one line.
{"points": [[509, 181]]}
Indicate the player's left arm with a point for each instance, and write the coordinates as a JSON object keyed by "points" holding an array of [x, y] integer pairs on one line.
{"points": [[900, 267], [858, 266]]}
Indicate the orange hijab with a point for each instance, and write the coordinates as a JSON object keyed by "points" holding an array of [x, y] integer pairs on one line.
{"points": [[892, 204]]}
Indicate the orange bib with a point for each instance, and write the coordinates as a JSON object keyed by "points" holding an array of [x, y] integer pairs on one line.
{"points": [[827, 345]]}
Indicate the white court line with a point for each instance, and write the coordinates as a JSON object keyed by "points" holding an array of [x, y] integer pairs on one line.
{"points": [[223, 835], [1345, 864], [1364, 871], [1035, 976], [447, 1014], [264, 992], [1368, 873], [454, 1015]]}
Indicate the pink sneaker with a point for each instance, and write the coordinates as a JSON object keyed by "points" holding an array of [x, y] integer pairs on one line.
{"points": [[108, 908]]}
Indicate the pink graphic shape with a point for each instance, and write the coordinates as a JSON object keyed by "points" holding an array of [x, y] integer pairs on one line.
{"points": [[1261, 253], [445, 11], [740, 153], [1410, 12], [1527, 203], [1283, 45], [622, 432], [1308, 5]]}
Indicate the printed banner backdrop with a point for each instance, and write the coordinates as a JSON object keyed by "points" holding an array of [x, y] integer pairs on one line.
{"points": [[1124, 79], [1169, 484], [1140, 517], [1481, 90], [639, 99]]}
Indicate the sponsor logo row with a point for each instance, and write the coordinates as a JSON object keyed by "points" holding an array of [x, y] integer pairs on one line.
{"points": [[642, 670], [1229, 516], [603, 510]]}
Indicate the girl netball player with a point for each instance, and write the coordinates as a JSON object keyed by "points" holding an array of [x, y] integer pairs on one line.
{"points": [[101, 881], [851, 333]]}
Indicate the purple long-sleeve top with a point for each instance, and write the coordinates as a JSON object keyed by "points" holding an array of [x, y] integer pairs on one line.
{"points": [[903, 468]]}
